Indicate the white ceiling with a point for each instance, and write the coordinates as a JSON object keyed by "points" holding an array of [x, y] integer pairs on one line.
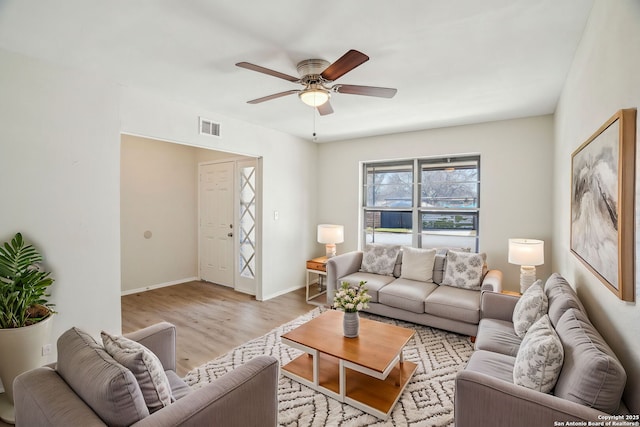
{"points": [[453, 62]]}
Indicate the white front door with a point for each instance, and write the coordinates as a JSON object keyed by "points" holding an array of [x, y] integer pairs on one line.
{"points": [[216, 223]]}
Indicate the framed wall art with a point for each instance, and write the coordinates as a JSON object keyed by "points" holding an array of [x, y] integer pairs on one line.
{"points": [[602, 203]]}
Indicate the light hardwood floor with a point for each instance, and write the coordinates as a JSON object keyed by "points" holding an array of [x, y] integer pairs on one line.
{"points": [[210, 319]]}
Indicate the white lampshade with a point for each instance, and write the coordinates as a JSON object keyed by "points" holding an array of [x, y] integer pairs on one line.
{"points": [[526, 252], [314, 97], [330, 234]]}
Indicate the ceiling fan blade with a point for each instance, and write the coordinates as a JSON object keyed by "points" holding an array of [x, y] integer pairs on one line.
{"points": [[274, 96], [382, 92], [268, 71], [325, 109], [344, 64]]}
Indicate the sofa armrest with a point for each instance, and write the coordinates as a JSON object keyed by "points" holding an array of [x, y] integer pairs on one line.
{"points": [[246, 396], [485, 401], [340, 266], [492, 281], [43, 398], [161, 340], [497, 306]]}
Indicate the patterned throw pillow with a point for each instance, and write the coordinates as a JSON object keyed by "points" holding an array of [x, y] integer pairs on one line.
{"points": [[144, 365], [540, 357], [379, 259], [531, 306], [464, 270], [417, 264]]}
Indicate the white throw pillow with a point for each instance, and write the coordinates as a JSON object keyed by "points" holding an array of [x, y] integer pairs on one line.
{"points": [[144, 365], [417, 264], [540, 357], [531, 306], [464, 270], [379, 259]]}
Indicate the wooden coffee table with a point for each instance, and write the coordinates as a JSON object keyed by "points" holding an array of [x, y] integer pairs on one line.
{"points": [[367, 372]]}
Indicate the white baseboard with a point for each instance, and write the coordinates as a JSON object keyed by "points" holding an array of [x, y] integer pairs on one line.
{"points": [[285, 291], [159, 285]]}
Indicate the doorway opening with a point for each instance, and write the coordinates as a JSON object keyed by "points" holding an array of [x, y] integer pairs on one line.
{"points": [[164, 206]]}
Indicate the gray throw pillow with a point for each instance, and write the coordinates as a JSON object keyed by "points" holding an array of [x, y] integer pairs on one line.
{"points": [[106, 386], [464, 270], [540, 357], [379, 259], [146, 367], [531, 306]]}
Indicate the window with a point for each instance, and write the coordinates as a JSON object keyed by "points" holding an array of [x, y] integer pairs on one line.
{"points": [[422, 202]]}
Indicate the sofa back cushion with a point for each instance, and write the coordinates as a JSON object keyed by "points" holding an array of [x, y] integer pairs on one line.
{"points": [[561, 297], [591, 375], [106, 386], [439, 265]]}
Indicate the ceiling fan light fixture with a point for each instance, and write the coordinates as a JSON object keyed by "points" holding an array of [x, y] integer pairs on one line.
{"points": [[314, 97]]}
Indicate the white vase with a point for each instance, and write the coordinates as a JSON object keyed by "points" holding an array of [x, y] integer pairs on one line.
{"points": [[351, 324], [20, 351]]}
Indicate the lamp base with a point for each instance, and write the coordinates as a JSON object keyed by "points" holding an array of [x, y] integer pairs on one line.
{"points": [[330, 250], [527, 277]]}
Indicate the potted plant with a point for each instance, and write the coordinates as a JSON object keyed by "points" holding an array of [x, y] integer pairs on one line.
{"points": [[25, 315], [351, 299]]}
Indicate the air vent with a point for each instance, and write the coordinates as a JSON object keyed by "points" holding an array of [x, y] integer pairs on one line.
{"points": [[209, 127]]}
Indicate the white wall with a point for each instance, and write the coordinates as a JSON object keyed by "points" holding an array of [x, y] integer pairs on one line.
{"points": [[60, 183], [604, 78], [516, 181], [158, 193]]}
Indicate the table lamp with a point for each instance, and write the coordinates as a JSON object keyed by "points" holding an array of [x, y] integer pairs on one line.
{"points": [[527, 253], [330, 234]]}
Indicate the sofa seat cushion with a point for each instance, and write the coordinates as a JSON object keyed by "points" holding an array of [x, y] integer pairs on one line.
{"points": [[106, 386], [179, 388], [561, 297], [592, 375], [454, 303], [374, 282], [406, 294], [495, 365], [497, 336]]}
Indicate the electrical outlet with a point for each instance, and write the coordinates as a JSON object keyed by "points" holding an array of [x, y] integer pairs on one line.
{"points": [[46, 349]]}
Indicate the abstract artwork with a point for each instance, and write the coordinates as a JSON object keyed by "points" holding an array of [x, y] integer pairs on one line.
{"points": [[602, 203]]}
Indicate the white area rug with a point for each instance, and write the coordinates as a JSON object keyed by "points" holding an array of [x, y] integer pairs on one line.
{"points": [[426, 401]]}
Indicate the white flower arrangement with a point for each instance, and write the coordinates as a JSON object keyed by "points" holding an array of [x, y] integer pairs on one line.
{"points": [[352, 298]]}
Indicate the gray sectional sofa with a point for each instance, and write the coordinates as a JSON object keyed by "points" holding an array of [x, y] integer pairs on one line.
{"points": [[424, 302], [588, 384]]}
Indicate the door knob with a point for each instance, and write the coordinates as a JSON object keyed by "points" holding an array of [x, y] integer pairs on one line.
{"points": [[229, 234]]}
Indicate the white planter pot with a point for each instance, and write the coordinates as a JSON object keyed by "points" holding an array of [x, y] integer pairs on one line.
{"points": [[21, 351]]}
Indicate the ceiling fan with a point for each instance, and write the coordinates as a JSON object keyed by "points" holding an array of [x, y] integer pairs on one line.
{"points": [[316, 75]]}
